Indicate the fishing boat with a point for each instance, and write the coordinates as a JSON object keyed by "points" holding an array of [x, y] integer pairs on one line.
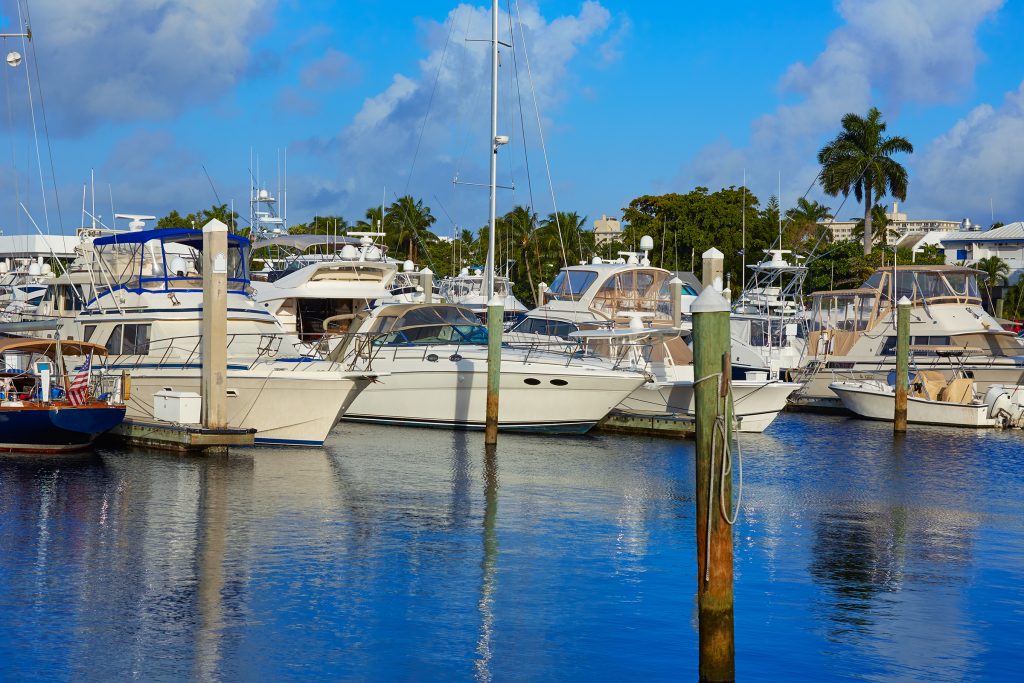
{"points": [[42, 409], [935, 398], [468, 289], [852, 333]]}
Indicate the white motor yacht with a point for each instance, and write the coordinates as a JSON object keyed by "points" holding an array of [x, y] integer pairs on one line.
{"points": [[852, 332], [434, 357], [467, 289], [622, 309], [147, 312]]}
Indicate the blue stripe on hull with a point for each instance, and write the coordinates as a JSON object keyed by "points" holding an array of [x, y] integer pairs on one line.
{"points": [[286, 442], [528, 427]]}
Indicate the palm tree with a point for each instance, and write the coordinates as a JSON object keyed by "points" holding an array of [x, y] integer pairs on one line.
{"points": [[805, 220], [410, 220], [860, 159], [520, 224], [881, 230], [996, 269], [566, 229]]}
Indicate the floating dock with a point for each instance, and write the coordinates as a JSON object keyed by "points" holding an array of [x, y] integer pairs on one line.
{"points": [[183, 438], [670, 426]]}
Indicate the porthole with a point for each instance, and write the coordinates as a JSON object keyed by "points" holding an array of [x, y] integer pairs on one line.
{"points": [[559, 382], [455, 358], [532, 381], [432, 357]]}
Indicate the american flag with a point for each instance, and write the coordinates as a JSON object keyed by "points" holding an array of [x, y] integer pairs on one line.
{"points": [[79, 390]]}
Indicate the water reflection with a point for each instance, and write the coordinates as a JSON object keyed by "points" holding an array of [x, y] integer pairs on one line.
{"points": [[380, 557]]}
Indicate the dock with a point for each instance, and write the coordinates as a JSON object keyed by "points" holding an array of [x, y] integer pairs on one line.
{"points": [[670, 426], [183, 438]]}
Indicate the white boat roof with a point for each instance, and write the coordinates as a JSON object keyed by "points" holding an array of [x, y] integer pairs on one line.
{"points": [[304, 242]]}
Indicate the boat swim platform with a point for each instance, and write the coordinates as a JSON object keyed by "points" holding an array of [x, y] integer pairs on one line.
{"points": [[183, 438], [668, 426]]}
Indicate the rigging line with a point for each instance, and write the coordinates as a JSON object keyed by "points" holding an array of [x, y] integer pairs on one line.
{"points": [[430, 100], [540, 132], [530, 229], [46, 125], [14, 164], [35, 131], [210, 180]]}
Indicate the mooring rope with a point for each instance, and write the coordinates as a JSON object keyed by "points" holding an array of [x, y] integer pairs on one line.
{"points": [[725, 415]]}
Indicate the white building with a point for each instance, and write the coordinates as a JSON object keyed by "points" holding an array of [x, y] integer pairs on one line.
{"points": [[606, 230], [900, 226], [29, 246], [1006, 242]]}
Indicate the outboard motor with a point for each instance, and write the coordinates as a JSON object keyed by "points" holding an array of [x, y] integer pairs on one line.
{"points": [[1004, 405]]}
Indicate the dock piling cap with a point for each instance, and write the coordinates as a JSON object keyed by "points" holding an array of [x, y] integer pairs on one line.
{"points": [[675, 281], [496, 300], [713, 253], [904, 301], [709, 301], [215, 226]]}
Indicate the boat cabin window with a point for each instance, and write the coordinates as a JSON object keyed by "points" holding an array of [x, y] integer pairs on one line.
{"points": [[635, 290], [129, 340], [850, 312], [431, 325], [542, 326], [924, 284], [570, 284], [889, 349], [87, 332]]}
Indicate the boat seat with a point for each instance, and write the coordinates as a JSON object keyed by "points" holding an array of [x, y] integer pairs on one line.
{"points": [[959, 390], [928, 384]]}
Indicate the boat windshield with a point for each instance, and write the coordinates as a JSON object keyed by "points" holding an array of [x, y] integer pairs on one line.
{"points": [[168, 263], [930, 285], [426, 325], [569, 285]]}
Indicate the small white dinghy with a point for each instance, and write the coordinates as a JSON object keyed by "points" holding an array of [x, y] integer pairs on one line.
{"points": [[935, 401]]}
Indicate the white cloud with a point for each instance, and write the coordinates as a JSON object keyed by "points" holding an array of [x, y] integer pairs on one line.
{"points": [[379, 144], [887, 52], [127, 60], [981, 157]]}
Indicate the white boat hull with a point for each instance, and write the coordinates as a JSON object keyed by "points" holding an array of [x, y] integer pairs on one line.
{"points": [[871, 400], [757, 403], [537, 397], [290, 407]]}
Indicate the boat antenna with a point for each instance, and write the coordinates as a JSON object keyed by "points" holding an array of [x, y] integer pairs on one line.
{"points": [[743, 244], [780, 210]]}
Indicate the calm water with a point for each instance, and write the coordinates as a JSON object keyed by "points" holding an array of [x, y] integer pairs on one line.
{"points": [[406, 554]]}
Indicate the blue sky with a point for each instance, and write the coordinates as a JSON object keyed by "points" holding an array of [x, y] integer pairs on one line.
{"points": [[634, 98]]}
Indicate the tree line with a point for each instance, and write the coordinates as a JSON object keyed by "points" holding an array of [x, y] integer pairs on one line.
{"points": [[531, 249]]}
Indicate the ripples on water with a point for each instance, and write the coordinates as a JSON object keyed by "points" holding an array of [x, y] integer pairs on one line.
{"points": [[412, 554]]}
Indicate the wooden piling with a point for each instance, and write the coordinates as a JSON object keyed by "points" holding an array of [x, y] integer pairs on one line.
{"points": [[711, 344], [675, 289], [712, 267], [427, 282], [899, 422], [495, 315], [213, 384]]}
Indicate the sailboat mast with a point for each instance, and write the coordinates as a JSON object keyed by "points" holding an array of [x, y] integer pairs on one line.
{"points": [[489, 267]]}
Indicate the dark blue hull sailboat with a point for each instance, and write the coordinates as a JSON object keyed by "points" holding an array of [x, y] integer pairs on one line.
{"points": [[54, 428]]}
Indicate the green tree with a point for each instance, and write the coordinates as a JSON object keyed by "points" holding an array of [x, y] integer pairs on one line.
{"points": [[859, 159], [996, 269], [322, 225], [408, 222], [881, 231], [804, 222]]}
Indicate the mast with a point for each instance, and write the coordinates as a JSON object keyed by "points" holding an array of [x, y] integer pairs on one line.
{"points": [[743, 247], [489, 267]]}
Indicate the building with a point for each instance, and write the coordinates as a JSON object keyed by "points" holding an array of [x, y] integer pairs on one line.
{"points": [[606, 230], [899, 225], [1006, 242]]}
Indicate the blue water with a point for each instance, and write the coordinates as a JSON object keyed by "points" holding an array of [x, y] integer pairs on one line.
{"points": [[403, 554]]}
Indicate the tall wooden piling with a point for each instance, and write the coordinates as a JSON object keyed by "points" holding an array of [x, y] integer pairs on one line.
{"points": [[213, 383], [495, 316], [899, 422], [712, 267], [711, 344], [427, 282]]}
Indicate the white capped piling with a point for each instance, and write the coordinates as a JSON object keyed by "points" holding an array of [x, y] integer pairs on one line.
{"points": [[675, 289], [899, 422], [542, 289], [713, 263], [213, 384], [713, 485], [427, 282], [495, 315]]}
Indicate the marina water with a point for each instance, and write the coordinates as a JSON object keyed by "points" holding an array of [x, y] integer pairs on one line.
{"points": [[411, 554]]}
